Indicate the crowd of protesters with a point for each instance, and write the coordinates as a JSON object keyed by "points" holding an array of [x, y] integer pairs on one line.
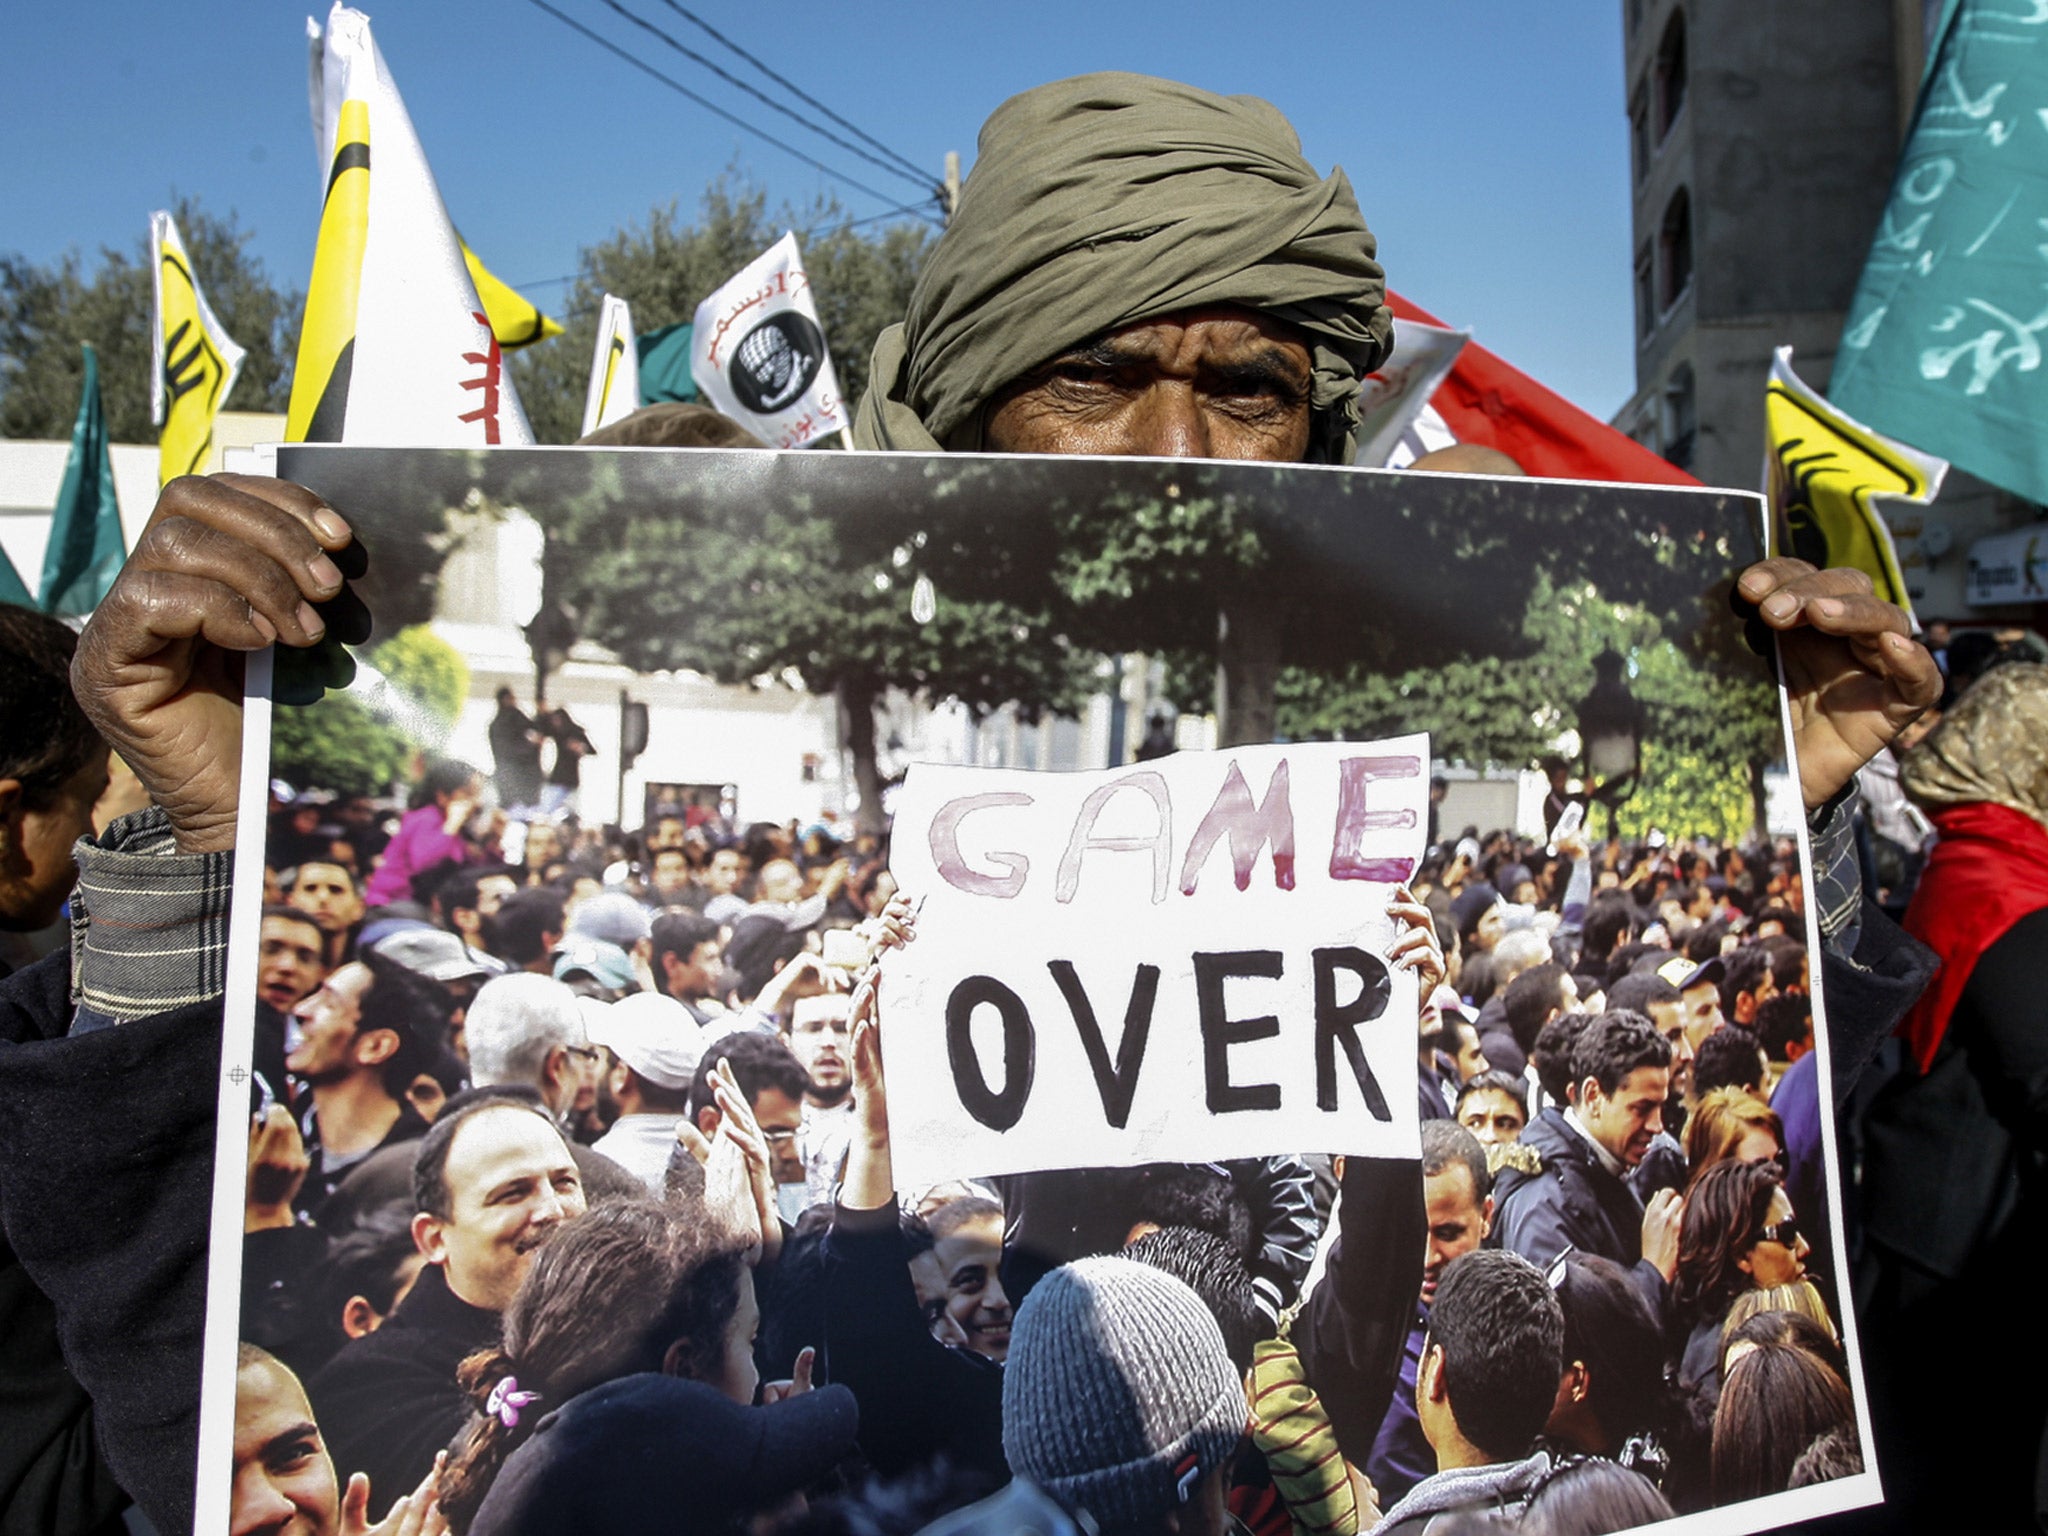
{"points": [[570, 1202], [572, 1139]]}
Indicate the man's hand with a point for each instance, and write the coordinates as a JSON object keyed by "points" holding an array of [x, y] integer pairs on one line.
{"points": [[1660, 1232], [1854, 675], [416, 1514], [798, 1383], [226, 566], [277, 1169], [1415, 947]]}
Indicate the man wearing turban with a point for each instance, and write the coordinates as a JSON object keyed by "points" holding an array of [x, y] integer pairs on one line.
{"points": [[1141, 267]]}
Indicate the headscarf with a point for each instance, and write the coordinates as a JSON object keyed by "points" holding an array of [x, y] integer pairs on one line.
{"points": [[1982, 775], [1108, 199]]}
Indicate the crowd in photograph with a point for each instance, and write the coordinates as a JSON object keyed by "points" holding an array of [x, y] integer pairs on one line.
{"points": [[569, 1199]]}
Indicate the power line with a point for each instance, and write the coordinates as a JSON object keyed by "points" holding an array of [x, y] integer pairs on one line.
{"points": [[788, 85], [913, 175], [710, 106]]}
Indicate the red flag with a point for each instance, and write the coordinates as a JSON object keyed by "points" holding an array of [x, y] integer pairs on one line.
{"points": [[1485, 401]]}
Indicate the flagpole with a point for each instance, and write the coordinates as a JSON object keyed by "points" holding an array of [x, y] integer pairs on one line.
{"points": [[846, 439]]}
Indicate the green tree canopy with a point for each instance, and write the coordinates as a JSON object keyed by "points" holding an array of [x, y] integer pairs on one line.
{"points": [[47, 310]]}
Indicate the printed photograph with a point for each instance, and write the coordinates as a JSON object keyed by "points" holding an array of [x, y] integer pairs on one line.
{"points": [[570, 1145]]}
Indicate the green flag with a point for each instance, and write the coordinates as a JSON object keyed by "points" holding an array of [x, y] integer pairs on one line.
{"points": [[665, 365], [1943, 345], [85, 551], [12, 588]]}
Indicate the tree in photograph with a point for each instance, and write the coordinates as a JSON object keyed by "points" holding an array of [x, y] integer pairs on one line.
{"points": [[364, 741]]}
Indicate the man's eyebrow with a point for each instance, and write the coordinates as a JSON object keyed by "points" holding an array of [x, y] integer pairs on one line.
{"points": [[304, 1430], [1269, 367]]}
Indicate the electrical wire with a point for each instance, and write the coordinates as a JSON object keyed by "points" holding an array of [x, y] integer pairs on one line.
{"points": [[789, 85], [711, 106], [915, 176]]}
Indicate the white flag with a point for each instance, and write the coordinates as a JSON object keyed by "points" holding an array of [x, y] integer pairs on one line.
{"points": [[614, 371], [758, 353], [196, 360], [402, 355], [1396, 424]]}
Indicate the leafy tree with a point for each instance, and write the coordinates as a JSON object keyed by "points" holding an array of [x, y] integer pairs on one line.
{"points": [[669, 572], [46, 311], [665, 268], [361, 743]]}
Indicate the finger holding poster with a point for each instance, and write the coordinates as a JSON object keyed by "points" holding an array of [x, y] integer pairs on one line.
{"points": [[1192, 963]]}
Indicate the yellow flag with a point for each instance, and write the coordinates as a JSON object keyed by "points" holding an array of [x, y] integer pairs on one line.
{"points": [[196, 359], [514, 322], [327, 339], [1824, 472]]}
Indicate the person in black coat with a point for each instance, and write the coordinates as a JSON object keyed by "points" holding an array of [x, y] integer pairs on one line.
{"points": [[1579, 1198]]}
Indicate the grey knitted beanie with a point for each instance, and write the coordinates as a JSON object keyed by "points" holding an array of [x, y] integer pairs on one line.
{"points": [[1117, 1394]]}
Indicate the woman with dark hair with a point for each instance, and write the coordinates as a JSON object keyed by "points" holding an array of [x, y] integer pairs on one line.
{"points": [[1592, 1496], [1613, 1399], [1777, 1401], [1737, 1232], [430, 833], [1792, 1315], [628, 1315]]}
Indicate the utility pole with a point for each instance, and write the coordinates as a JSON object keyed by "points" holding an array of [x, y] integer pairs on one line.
{"points": [[952, 190]]}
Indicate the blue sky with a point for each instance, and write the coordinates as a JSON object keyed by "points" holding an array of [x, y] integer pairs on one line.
{"points": [[1486, 138]]}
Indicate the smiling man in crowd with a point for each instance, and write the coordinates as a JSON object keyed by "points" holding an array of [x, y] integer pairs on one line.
{"points": [[492, 1182], [1580, 1198]]}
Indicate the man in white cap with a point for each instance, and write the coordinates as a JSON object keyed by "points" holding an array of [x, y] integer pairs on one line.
{"points": [[655, 1046]]}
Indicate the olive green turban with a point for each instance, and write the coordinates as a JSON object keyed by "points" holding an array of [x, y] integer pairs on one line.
{"points": [[1108, 199]]}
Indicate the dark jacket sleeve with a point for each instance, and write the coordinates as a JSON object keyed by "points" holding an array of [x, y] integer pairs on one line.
{"points": [[118, 1122], [917, 1396], [1352, 1328], [1280, 1192], [1867, 993]]}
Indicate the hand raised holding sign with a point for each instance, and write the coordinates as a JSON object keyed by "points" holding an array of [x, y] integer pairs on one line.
{"points": [[1416, 949], [870, 1181]]}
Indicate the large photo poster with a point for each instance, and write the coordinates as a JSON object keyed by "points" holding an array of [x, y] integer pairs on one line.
{"points": [[753, 953]]}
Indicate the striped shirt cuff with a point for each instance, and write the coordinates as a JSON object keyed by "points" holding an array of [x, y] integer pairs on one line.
{"points": [[149, 925]]}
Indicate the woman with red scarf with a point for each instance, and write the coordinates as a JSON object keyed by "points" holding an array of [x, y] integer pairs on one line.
{"points": [[1955, 1145]]}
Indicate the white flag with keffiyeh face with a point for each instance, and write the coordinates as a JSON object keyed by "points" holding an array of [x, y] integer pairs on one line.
{"points": [[759, 355]]}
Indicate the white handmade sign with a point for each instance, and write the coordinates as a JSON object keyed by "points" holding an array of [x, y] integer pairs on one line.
{"points": [[1174, 962]]}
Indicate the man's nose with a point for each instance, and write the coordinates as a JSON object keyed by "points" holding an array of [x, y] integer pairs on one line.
{"points": [[1169, 424]]}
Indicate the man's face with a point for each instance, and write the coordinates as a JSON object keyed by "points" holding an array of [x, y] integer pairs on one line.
{"points": [[723, 875], [695, 975], [818, 1034], [781, 881], [491, 893], [971, 1257], [36, 869], [1670, 1021], [779, 1117], [1471, 1059], [1626, 1122], [328, 1027], [1215, 383], [325, 893], [543, 845], [511, 1182], [284, 1483], [1491, 925], [1702, 1005], [288, 964], [1458, 1222], [1492, 1115], [671, 869]]}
